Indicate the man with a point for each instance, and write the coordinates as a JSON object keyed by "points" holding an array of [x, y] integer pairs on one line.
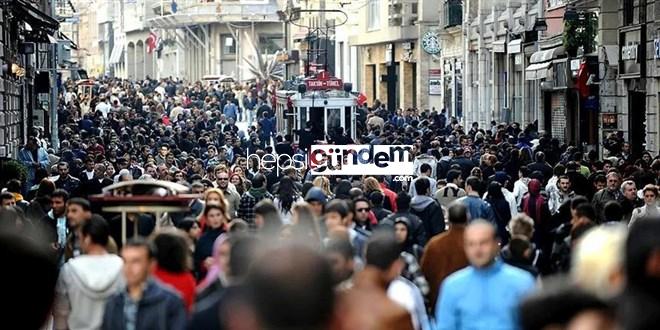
{"points": [[370, 289], [427, 209], [561, 195], [362, 212], [251, 197], [379, 211], [611, 192], [417, 228], [450, 192], [542, 166], [230, 110], [55, 224], [316, 199], [144, 304], [78, 211], [630, 200], [229, 191], [339, 253], [163, 150], [8, 200], [87, 281], [33, 157], [477, 208], [337, 217], [103, 107], [66, 181], [88, 172], [445, 254], [95, 186], [425, 172], [484, 295]]}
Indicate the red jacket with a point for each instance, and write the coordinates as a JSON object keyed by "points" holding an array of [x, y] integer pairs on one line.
{"points": [[390, 195], [183, 283]]}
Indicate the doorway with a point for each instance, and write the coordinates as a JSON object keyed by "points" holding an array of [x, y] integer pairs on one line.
{"points": [[637, 122]]}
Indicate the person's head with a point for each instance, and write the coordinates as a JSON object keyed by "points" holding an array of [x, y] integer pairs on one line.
{"points": [[401, 230], [259, 181], [584, 212], [613, 181], [650, 194], [78, 210], [197, 188], [425, 169], [454, 176], [564, 184], [316, 199], [95, 233], [422, 186], [520, 248], [472, 185], [190, 226], [600, 182], [58, 202], [172, 253], [629, 190], [376, 198], [457, 214], [8, 199], [222, 177], [163, 150], [612, 211], [284, 297], [521, 225], [362, 208], [403, 201], [336, 214], [63, 169], [481, 244], [138, 255], [597, 260], [575, 202], [216, 215], [214, 196], [339, 253], [384, 253], [89, 164], [266, 217]]}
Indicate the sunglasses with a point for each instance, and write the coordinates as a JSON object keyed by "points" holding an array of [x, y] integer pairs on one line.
{"points": [[364, 210], [223, 179]]}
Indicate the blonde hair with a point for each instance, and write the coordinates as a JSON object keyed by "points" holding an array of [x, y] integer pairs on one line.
{"points": [[597, 257], [371, 185], [521, 225], [323, 183], [224, 205]]}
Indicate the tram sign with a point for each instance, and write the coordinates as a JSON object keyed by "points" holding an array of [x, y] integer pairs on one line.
{"points": [[323, 81]]}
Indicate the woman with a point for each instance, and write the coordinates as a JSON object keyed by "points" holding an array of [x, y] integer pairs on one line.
{"points": [[650, 208], [287, 195], [173, 264], [216, 218], [501, 209], [404, 238], [238, 182], [190, 227], [216, 277], [305, 228], [324, 184], [212, 196], [410, 254]]}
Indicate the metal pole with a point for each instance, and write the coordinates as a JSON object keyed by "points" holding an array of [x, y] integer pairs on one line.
{"points": [[123, 228], [54, 130]]}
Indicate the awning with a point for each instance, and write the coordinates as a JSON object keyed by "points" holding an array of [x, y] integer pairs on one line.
{"points": [[547, 55], [499, 46], [537, 71], [64, 37], [116, 53], [514, 46], [35, 17]]}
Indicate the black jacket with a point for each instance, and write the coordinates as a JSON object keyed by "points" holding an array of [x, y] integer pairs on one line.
{"points": [[159, 308], [431, 214], [417, 227]]}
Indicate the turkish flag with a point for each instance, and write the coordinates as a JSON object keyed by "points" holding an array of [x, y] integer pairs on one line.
{"points": [[361, 99], [151, 42], [582, 78]]}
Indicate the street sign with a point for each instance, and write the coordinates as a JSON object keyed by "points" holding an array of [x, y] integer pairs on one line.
{"points": [[323, 81]]}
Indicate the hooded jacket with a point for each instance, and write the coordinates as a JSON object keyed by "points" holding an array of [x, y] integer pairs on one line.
{"points": [[427, 209], [85, 284]]}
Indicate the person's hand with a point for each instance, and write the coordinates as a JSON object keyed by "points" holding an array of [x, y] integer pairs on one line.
{"points": [[208, 262], [55, 246]]}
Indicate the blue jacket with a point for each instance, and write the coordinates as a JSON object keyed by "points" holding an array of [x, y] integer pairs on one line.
{"points": [[478, 209], [159, 309], [25, 157], [485, 299], [230, 110]]}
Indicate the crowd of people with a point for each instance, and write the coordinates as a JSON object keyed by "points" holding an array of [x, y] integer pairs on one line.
{"points": [[503, 227]]}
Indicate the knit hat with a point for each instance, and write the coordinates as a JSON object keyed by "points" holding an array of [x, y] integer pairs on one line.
{"points": [[316, 194]]}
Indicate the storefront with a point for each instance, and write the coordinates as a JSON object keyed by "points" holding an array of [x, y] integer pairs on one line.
{"points": [[632, 71]]}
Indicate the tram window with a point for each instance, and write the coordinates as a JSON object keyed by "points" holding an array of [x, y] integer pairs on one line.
{"points": [[316, 117], [334, 119], [348, 121], [303, 117]]}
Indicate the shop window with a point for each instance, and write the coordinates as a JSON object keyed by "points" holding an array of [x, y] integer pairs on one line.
{"points": [[271, 43], [560, 74], [228, 44]]}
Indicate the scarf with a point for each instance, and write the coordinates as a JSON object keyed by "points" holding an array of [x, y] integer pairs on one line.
{"points": [[258, 193]]}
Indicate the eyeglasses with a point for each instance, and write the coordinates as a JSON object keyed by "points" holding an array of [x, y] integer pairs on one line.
{"points": [[223, 179], [364, 210]]}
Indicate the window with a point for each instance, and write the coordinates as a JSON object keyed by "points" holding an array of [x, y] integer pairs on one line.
{"points": [[556, 3], [270, 43], [628, 12], [373, 15], [228, 44]]}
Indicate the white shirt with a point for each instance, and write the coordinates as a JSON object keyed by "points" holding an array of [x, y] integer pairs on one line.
{"points": [[104, 108], [406, 294], [508, 196]]}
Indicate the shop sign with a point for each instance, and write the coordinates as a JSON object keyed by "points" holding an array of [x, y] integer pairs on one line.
{"points": [[323, 81], [656, 49], [435, 72], [435, 87], [631, 53], [610, 121]]}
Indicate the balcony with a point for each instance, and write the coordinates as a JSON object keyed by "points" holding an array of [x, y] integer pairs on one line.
{"points": [[402, 13], [167, 15], [453, 13]]}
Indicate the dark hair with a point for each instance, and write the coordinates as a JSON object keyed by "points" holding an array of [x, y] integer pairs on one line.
{"points": [[14, 185], [286, 193], [140, 242], [422, 185], [586, 210], [642, 241], [172, 252], [559, 169], [337, 205], [60, 193], [518, 246], [382, 250], [6, 195], [457, 213], [340, 246], [403, 201], [259, 181], [186, 224], [473, 182], [425, 168], [361, 199], [613, 211], [83, 203], [524, 170], [272, 221], [97, 229], [453, 175], [577, 201], [242, 254], [495, 191], [376, 198]]}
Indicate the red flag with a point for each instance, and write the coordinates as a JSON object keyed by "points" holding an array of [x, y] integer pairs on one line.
{"points": [[361, 99], [582, 78], [151, 42]]}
